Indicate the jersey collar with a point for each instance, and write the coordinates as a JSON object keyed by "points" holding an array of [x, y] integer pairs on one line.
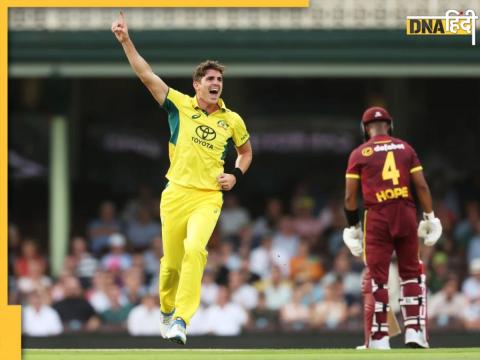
{"points": [[381, 138], [220, 103]]}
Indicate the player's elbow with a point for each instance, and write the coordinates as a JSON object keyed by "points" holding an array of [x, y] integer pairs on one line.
{"points": [[144, 78], [248, 155], [422, 187], [350, 201]]}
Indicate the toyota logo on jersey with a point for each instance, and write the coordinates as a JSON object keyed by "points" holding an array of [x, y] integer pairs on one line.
{"points": [[205, 132]]}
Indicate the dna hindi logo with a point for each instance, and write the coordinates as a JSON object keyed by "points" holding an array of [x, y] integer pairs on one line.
{"points": [[453, 23]]}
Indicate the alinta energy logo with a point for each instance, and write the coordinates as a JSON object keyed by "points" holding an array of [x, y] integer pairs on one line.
{"points": [[453, 23]]}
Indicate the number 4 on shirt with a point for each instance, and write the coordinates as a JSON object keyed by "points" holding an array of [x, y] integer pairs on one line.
{"points": [[390, 171]]}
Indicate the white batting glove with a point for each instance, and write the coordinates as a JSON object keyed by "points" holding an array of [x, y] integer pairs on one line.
{"points": [[353, 238], [430, 229]]}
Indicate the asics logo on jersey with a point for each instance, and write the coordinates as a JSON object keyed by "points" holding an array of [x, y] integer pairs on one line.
{"points": [[389, 147], [205, 132], [196, 116]]}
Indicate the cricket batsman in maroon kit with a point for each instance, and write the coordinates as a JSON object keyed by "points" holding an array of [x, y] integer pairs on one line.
{"points": [[385, 167]]}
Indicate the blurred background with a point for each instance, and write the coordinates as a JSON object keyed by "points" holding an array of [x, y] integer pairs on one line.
{"points": [[88, 154]]}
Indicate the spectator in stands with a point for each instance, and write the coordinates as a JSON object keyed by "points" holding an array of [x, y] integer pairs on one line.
{"points": [[142, 230], [29, 254], [471, 286], [39, 319], [116, 315], [225, 318], [465, 229], [245, 241], [76, 312], [209, 293], [152, 257], [342, 270], [35, 280], [261, 258], [69, 265], [97, 294], [199, 322], [133, 285], [99, 230], [472, 315], [14, 246], [331, 215], [58, 289], [138, 262], [229, 258], [233, 216], [447, 216], [304, 266], [278, 291], [295, 314], [473, 250], [262, 318], [85, 263], [447, 307], [145, 200], [334, 231], [332, 311], [241, 292], [439, 275], [269, 221], [250, 278], [304, 222], [117, 259], [285, 243], [144, 319]]}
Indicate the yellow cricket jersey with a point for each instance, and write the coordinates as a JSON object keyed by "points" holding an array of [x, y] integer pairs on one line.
{"points": [[198, 142]]}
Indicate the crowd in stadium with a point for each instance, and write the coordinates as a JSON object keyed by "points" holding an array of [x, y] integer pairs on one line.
{"points": [[286, 270]]}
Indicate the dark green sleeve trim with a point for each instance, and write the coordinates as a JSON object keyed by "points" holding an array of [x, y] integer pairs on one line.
{"points": [[246, 140], [164, 105]]}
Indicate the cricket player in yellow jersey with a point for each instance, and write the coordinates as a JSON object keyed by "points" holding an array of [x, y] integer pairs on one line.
{"points": [[200, 127]]}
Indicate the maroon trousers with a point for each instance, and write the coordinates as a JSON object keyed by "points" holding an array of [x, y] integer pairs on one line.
{"points": [[389, 228]]}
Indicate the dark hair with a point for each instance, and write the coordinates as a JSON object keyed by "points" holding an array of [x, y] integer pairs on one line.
{"points": [[202, 68]]}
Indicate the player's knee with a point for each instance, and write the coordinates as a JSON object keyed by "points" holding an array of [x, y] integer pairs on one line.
{"points": [[380, 291], [411, 287], [195, 251], [168, 264], [410, 274]]}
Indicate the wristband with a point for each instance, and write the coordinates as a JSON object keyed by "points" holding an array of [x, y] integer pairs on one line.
{"points": [[238, 174], [352, 217], [429, 216]]}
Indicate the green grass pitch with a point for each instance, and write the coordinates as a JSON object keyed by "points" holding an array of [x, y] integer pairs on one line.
{"points": [[260, 354]]}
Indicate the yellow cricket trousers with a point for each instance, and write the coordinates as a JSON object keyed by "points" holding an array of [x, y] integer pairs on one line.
{"points": [[188, 219]]}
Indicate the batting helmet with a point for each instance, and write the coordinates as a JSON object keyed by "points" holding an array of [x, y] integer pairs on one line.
{"points": [[374, 114]]}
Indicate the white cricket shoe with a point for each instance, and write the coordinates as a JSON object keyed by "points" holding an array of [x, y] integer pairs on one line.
{"points": [[416, 339], [165, 322], [361, 347], [177, 332], [381, 344]]}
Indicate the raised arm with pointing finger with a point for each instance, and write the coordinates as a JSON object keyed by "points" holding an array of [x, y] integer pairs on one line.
{"points": [[157, 86]]}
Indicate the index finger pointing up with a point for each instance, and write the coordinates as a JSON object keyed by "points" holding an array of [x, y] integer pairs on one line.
{"points": [[122, 18]]}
